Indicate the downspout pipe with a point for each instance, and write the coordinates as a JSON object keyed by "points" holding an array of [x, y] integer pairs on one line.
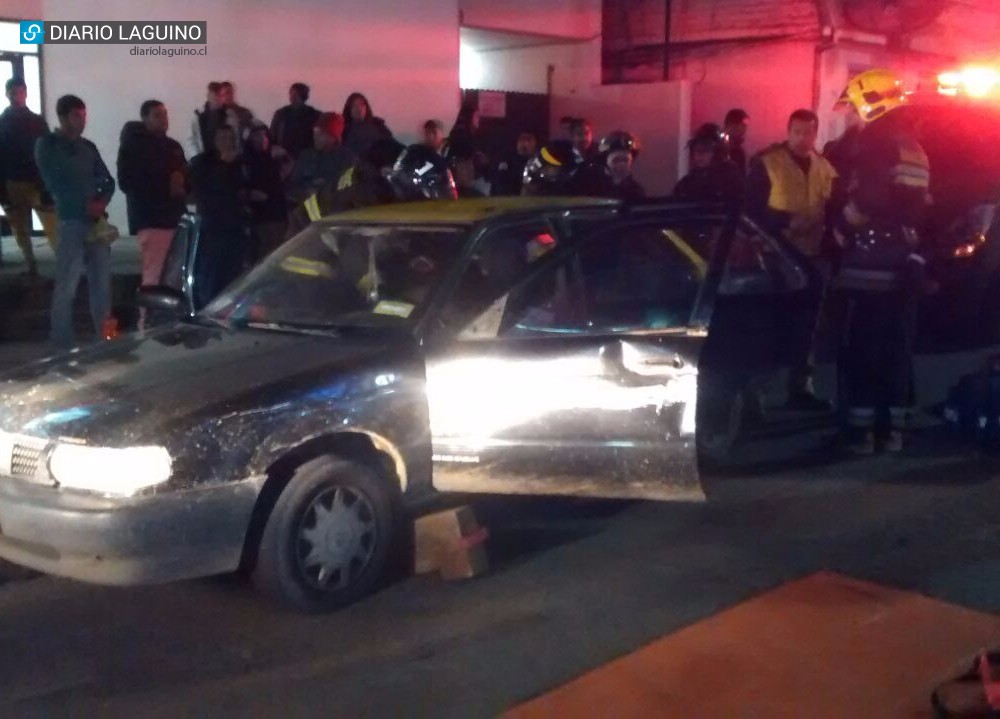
{"points": [[826, 13]]}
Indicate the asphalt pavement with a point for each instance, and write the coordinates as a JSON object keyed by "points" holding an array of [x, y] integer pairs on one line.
{"points": [[572, 585]]}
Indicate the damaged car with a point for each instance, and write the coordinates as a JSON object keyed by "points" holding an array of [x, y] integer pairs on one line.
{"points": [[383, 356]]}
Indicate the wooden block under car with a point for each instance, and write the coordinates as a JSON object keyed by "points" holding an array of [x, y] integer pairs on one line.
{"points": [[451, 542]]}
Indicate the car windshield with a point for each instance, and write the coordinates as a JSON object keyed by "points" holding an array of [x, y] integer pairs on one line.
{"points": [[332, 276]]}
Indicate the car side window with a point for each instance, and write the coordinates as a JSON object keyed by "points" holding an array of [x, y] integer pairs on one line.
{"points": [[500, 260], [638, 277], [758, 264]]}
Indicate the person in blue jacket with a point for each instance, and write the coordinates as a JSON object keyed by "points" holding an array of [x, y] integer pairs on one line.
{"points": [[81, 186]]}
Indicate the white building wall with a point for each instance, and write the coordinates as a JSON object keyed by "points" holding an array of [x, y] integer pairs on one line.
{"points": [[14, 11], [557, 18], [768, 80], [403, 55], [522, 69], [20, 9]]}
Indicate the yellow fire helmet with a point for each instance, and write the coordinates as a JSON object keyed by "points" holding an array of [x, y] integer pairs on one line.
{"points": [[873, 93]]}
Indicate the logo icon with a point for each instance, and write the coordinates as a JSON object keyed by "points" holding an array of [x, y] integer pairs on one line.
{"points": [[32, 32]]}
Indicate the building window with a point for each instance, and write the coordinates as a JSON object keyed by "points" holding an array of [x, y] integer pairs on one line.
{"points": [[10, 39], [17, 60], [634, 35], [23, 61]]}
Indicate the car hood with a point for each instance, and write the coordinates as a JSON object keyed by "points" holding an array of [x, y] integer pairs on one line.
{"points": [[143, 387]]}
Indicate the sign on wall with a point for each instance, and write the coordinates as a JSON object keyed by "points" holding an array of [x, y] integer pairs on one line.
{"points": [[492, 104]]}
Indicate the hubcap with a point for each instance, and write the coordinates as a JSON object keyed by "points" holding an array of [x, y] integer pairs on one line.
{"points": [[336, 538]]}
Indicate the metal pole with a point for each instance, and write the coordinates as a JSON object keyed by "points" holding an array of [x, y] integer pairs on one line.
{"points": [[666, 39]]}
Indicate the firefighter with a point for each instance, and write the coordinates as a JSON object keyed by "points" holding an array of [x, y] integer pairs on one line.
{"points": [[788, 191], [620, 149], [422, 174], [609, 174], [550, 172], [462, 163], [881, 270], [713, 176], [363, 185]]}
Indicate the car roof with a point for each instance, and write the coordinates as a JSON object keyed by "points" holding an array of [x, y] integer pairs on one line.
{"points": [[465, 211]]}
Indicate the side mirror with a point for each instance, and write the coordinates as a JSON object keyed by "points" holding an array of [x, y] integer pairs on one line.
{"points": [[161, 298]]}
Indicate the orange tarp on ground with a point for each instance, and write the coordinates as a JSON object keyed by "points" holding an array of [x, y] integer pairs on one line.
{"points": [[824, 646]]}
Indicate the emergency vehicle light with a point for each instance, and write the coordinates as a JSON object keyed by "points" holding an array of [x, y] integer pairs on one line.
{"points": [[973, 81]]}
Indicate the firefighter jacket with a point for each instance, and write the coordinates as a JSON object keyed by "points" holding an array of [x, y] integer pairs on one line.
{"points": [[359, 186], [887, 195]]}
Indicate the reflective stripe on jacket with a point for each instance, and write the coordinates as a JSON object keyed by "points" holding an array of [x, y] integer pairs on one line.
{"points": [[913, 168], [890, 179], [312, 208]]}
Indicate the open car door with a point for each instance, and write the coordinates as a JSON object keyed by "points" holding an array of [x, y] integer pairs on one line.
{"points": [[765, 303], [580, 376]]}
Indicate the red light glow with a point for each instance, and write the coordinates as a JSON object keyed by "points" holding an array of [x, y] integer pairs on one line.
{"points": [[974, 81]]}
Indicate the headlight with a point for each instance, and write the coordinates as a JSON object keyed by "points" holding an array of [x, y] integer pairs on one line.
{"points": [[108, 470], [969, 248]]}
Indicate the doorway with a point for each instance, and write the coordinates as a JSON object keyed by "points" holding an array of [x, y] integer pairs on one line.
{"points": [[23, 61]]}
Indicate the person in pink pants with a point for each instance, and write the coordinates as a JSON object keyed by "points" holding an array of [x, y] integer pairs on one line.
{"points": [[152, 172]]}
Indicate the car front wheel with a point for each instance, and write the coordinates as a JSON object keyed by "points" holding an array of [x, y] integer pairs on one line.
{"points": [[329, 538]]}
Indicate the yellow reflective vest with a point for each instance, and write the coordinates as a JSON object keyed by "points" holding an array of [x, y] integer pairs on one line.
{"points": [[801, 194]]}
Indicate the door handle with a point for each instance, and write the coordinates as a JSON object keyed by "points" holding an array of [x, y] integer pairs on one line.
{"points": [[613, 364], [676, 362]]}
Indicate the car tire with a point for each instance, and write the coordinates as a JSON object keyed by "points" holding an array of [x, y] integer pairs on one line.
{"points": [[330, 538]]}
